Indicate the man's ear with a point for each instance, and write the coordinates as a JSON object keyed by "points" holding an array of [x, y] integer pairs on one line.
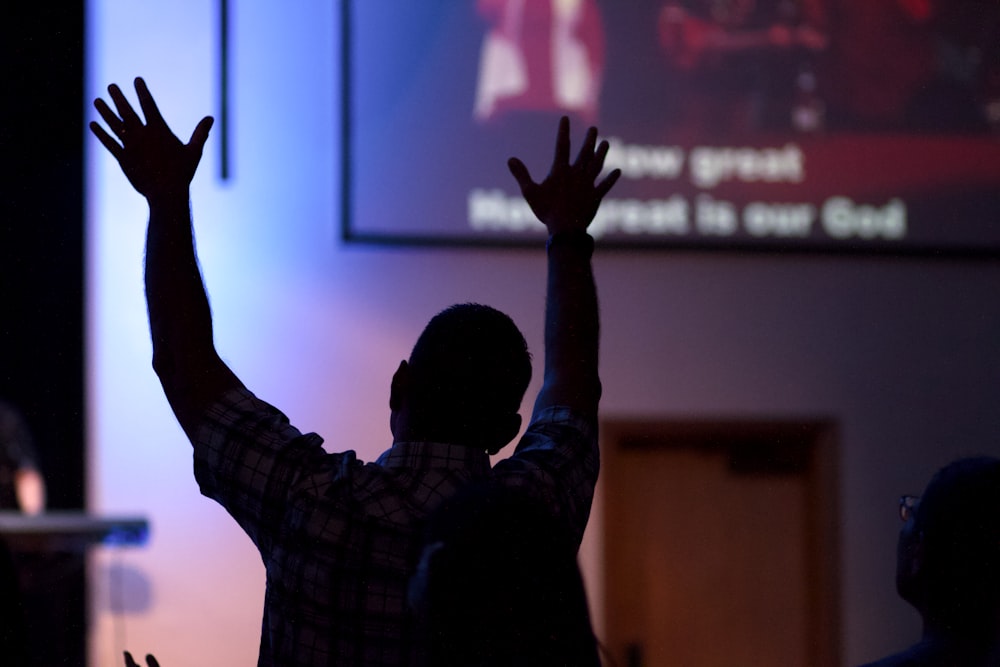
{"points": [[400, 382]]}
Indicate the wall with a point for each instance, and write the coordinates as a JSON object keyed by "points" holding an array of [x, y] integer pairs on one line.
{"points": [[900, 353]]}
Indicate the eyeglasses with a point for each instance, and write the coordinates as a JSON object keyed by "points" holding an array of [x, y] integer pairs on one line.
{"points": [[908, 507]]}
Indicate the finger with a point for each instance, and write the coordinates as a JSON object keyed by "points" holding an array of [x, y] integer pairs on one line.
{"points": [[520, 173], [597, 164], [562, 142], [200, 134], [151, 661], [128, 115], [106, 139], [602, 151], [129, 662], [109, 116], [587, 149], [604, 186], [146, 102]]}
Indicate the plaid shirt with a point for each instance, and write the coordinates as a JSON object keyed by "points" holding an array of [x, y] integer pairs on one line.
{"points": [[339, 537]]}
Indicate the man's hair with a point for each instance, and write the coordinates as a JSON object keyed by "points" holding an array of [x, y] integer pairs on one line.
{"points": [[470, 366], [959, 518]]}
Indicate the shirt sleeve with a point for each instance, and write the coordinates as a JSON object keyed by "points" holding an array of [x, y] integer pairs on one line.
{"points": [[251, 460], [557, 462]]}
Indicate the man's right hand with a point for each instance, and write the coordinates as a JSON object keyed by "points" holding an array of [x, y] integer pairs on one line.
{"points": [[154, 160], [567, 200]]}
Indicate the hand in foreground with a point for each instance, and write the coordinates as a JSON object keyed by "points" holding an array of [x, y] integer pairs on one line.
{"points": [[154, 160], [567, 199], [130, 662]]}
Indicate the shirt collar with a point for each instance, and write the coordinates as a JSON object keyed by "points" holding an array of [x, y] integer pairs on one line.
{"points": [[412, 455]]}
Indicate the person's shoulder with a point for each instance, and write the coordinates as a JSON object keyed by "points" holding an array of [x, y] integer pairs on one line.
{"points": [[564, 415], [560, 441], [237, 421], [239, 405], [560, 423]]}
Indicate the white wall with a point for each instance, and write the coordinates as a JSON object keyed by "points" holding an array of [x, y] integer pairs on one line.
{"points": [[901, 353]]}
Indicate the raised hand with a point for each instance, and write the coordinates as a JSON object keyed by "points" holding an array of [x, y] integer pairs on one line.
{"points": [[568, 198], [154, 160]]}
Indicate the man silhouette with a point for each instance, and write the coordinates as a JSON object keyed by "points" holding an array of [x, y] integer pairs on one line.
{"points": [[340, 537], [948, 567]]}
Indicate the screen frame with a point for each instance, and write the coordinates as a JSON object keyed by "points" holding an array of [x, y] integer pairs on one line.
{"points": [[352, 234]]}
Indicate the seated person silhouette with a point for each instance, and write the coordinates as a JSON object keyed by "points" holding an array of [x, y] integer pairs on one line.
{"points": [[22, 489], [22, 486], [948, 567], [498, 584]]}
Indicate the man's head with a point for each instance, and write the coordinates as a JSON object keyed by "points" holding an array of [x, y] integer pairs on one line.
{"points": [[464, 380], [949, 549]]}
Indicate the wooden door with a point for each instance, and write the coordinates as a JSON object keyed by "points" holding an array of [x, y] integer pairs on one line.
{"points": [[720, 545]]}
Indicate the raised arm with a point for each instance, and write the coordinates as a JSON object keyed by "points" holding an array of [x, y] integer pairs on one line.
{"points": [[566, 202], [160, 167]]}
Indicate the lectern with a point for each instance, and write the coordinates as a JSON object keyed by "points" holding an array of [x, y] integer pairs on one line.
{"points": [[42, 573], [66, 531]]}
